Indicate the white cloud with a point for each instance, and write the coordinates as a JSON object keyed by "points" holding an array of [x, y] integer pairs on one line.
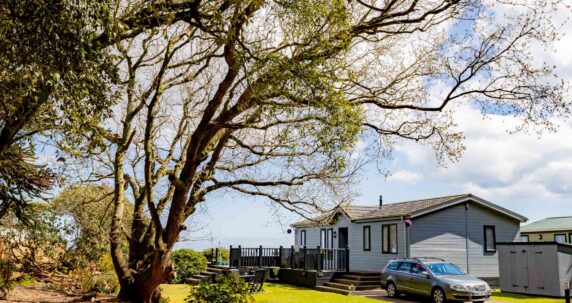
{"points": [[405, 176]]}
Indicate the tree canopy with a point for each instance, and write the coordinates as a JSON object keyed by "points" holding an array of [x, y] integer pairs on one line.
{"points": [[54, 85], [262, 98]]}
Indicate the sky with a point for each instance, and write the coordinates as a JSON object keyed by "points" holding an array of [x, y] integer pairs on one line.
{"points": [[528, 173]]}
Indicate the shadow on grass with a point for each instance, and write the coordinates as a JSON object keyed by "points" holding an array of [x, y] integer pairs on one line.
{"points": [[512, 297]]}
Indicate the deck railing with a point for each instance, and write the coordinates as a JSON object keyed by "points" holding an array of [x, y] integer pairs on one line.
{"points": [[320, 259]]}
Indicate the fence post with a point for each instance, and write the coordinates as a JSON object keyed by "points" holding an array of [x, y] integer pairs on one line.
{"points": [[260, 257], [230, 256], [347, 258], [239, 256], [319, 260], [305, 258], [292, 257], [216, 255], [280, 257]]}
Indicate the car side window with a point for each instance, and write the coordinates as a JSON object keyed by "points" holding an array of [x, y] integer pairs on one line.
{"points": [[393, 265], [417, 268], [405, 266]]}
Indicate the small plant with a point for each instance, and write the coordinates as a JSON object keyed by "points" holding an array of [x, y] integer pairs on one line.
{"points": [[26, 280], [229, 289], [6, 284], [105, 283]]}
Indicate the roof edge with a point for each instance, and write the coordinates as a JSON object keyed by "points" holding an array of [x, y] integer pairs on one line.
{"points": [[474, 198]]}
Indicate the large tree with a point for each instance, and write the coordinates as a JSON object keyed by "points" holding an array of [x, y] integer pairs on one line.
{"points": [[269, 98]]}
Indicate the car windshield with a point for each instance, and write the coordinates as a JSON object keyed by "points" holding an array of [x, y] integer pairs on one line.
{"points": [[445, 269]]}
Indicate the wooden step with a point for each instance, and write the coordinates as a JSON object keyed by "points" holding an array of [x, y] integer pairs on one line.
{"points": [[370, 293], [217, 270], [356, 282], [348, 287], [361, 278], [363, 273], [333, 289]]}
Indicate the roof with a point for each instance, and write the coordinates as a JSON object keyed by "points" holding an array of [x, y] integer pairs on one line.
{"points": [[409, 209], [549, 224]]}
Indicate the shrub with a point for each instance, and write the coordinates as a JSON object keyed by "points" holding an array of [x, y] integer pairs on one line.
{"points": [[187, 263], [105, 283], [224, 253], [26, 280], [228, 289], [6, 269]]}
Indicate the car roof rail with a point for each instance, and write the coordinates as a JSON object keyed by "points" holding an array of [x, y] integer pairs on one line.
{"points": [[428, 258]]}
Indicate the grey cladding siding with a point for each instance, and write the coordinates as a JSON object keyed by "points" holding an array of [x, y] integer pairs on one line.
{"points": [[442, 234]]}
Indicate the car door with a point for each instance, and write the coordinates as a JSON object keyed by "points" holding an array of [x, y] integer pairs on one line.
{"points": [[403, 281], [419, 280]]}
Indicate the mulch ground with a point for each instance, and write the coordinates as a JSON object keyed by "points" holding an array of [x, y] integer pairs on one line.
{"points": [[35, 294]]}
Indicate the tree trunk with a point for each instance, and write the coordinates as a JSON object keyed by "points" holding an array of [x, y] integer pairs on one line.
{"points": [[144, 286]]}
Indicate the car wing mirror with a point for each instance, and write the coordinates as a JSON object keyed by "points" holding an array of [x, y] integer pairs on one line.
{"points": [[425, 273]]}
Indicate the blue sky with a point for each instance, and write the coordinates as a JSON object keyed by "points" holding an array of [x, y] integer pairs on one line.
{"points": [[526, 172]]}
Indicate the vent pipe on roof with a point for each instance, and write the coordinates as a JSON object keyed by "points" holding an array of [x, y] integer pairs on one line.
{"points": [[380, 201]]}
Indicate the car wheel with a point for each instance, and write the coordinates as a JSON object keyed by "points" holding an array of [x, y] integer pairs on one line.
{"points": [[438, 296], [391, 290]]}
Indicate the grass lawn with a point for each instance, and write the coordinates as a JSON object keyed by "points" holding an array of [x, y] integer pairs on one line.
{"points": [[273, 293], [509, 297], [175, 292]]}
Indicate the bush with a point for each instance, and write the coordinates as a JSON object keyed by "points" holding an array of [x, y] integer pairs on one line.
{"points": [[228, 289], [187, 263], [26, 280], [224, 253], [105, 283], [6, 269]]}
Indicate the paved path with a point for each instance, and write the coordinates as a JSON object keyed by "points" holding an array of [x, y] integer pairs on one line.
{"points": [[408, 299]]}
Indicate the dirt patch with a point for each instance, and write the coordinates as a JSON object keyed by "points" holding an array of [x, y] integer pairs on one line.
{"points": [[42, 294]]}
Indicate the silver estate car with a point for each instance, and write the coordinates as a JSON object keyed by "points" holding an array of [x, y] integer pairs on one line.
{"points": [[435, 278]]}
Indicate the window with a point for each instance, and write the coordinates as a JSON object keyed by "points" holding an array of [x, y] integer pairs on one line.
{"points": [[303, 238], [323, 238], [330, 238], [404, 266], [389, 239], [393, 265], [560, 238], [490, 239], [524, 238], [570, 238], [366, 238], [417, 268]]}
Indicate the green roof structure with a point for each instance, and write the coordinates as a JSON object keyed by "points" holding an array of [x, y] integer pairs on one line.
{"points": [[549, 224]]}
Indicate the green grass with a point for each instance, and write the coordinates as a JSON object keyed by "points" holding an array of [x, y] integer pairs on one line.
{"points": [[510, 297], [177, 293], [273, 293], [280, 293]]}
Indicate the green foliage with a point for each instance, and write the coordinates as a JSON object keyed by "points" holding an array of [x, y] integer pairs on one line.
{"points": [[26, 280], [89, 280], [105, 283], [55, 83], [224, 253], [88, 213], [38, 244], [187, 263], [6, 269], [229, 289], [51, 67]]}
